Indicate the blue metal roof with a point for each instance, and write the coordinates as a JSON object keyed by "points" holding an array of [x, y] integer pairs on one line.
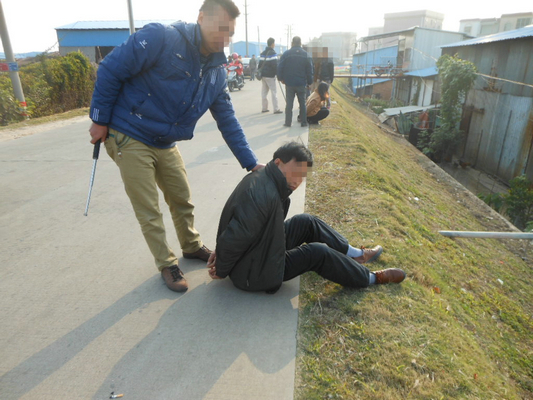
{"points": [[88, 25], [524, 32], [424, 73]]}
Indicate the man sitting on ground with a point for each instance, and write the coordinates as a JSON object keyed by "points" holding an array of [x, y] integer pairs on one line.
{"points": [[258, 250]]}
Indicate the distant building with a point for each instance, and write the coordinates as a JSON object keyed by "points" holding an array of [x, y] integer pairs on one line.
{"points": [[394, 22], [412, 56], [380, 88], [498, 113], [341, 45], [96, 39], [402, 20], [253, 48], [487, 26]]}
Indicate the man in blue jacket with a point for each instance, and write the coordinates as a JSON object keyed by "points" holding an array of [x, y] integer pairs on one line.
{"points": [[295, 70], [150, 93]]}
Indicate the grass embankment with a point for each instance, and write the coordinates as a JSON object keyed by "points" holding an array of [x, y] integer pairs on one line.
{"points": [[459, 327]]}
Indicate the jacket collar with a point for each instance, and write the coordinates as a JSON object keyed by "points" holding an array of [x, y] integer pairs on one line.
{"points": [[274, 173], [191, 32]]}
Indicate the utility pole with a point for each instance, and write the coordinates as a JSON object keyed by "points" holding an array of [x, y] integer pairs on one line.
{"points": [[289, 36], [130, 16], [246, 25], [12, 66], [259, 41]]}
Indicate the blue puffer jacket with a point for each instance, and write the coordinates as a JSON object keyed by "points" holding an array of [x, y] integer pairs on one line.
{"points": [[295, 67], [154, 89]]}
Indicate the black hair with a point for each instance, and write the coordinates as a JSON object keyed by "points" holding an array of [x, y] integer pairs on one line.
{"points": [[322, 89], [228, 5], [270, 41], [294, 150], [297, 41]]}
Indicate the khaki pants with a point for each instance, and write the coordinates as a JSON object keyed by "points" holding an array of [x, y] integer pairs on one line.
{"points": [[144, 168], [269, 84]]}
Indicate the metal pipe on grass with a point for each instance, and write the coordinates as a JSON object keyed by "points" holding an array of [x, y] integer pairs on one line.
{"points": [[488, 235]]}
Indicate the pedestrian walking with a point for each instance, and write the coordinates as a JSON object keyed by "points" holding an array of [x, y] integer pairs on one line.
{"points": [[268, 65], [253, 67]]}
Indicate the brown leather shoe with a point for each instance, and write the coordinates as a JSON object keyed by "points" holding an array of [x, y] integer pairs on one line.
{"points": [[369, 255], [174, 279], [202, 253], [390, 275]]}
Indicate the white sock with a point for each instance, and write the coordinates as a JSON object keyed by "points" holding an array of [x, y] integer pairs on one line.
{"points": [[354, 252], [372, 279]]}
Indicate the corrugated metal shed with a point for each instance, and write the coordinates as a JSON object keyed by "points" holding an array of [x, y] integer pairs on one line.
{"points": [[424, 73], [98, 33], [524, 32], [363, 62], [422, 48], [498, 113], [107, 25], [402, 33]]}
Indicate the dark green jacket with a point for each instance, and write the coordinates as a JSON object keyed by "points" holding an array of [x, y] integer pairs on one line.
{"points": [[251, 233]]}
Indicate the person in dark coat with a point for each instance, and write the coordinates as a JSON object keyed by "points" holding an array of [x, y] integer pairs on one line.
{"points": [[259, 250], [253, 67], [295, 70], [327, 72]]}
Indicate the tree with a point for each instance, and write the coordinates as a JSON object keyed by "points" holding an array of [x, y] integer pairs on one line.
{"points": [[457, 77]]}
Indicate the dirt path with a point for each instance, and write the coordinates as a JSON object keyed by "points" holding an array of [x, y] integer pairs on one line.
{"points": [[16, 133]]}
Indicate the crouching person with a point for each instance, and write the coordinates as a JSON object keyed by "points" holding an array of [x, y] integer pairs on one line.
{"points": [[316, 104], [259, 250]]}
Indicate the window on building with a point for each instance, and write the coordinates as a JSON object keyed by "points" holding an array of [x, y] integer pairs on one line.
{"points": [[521, 22], [468, 29], [507, 26]]}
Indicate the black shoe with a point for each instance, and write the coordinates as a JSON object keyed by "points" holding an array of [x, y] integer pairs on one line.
{"points": [[264, 111], [304, 124], [174, 279], [287, 125], [278, 112]]}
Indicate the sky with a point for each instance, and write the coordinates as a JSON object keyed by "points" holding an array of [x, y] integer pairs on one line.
{"points": [[31, 23]]}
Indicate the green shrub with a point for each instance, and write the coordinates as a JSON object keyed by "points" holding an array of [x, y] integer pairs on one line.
{"points": [[519, 202], [50, 85], [494, 200], [457, 77], [9, 111]]}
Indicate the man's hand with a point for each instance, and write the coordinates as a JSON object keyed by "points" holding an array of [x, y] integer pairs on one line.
{"points": [[211, 264], [258, 167], [98, 132]]}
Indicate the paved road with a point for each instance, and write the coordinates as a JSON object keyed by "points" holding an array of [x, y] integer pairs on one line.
{"points": [[84, 311]]}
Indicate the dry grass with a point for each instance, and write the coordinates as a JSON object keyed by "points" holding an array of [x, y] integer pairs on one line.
{"points": [[459, 327]]}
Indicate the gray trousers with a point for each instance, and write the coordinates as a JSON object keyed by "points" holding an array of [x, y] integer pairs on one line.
{"points": [[291, 92]]}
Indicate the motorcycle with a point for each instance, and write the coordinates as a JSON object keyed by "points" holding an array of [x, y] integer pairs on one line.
{"points": [[235, 81], [388, 70]]}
